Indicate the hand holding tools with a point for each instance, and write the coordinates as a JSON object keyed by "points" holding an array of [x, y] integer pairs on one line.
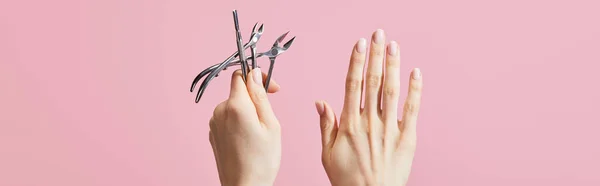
{"points": [[214, 70]]}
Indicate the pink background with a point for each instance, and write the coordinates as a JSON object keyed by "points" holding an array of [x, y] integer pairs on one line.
{"points": [[96, 92]]}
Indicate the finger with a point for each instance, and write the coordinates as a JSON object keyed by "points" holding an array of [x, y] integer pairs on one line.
{"points": [[238, 87], [407, 145], [354, 79], [374, 73], [329, 126], [412, 104], [259, 97], [273, 86], [391, 85]]}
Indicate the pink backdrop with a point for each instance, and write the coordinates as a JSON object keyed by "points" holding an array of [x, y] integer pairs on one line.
{"points": [[96, 92]]}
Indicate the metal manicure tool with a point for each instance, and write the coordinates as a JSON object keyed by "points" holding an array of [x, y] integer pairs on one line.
{"points": [[214, 70]]}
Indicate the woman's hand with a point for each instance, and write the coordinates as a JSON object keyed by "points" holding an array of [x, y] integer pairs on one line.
{"points": [[371, 146], [245, 134]]}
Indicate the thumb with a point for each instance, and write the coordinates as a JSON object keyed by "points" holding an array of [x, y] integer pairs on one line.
{"points": [[259, 97], [329, 126]]}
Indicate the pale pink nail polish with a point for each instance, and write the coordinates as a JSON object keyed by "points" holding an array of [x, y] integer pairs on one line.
{"points": [[416, 74], [257, 76], [361, 46], [392, 48], [378, 37]]}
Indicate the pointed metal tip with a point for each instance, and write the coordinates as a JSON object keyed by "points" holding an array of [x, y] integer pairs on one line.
{"points": [[260, 29], [289, 43], [254, 27], [280, 39]]}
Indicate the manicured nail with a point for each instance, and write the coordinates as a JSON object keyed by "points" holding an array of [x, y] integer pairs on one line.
{"points": [[257, 76], [378, 36], [320, 107], [416, 74], [392, 48], [361, 46]]}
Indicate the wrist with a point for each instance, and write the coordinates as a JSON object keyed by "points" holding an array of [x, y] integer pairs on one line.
{"points": [[250, 183], [248, 179], [361, 183]]}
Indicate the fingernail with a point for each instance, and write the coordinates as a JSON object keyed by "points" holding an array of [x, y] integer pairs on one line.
{"points": [[416, 75], [361, 47], [392, 48], [378, 36], [320, 107], [257, 76]]}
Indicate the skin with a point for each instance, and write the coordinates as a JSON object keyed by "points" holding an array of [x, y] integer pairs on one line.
{"points": [[245, 134], [368, 146]]}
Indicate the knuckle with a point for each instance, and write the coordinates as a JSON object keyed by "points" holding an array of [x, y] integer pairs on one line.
{"points": [[358, 60], [353, 85], [391, 91], [373, 80], [219, 109], [416, 87], [259, 96], [351, 131], [393, 63], [325, 126], [212, 124], [231, 108], [411, 108], [378, 51]]}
